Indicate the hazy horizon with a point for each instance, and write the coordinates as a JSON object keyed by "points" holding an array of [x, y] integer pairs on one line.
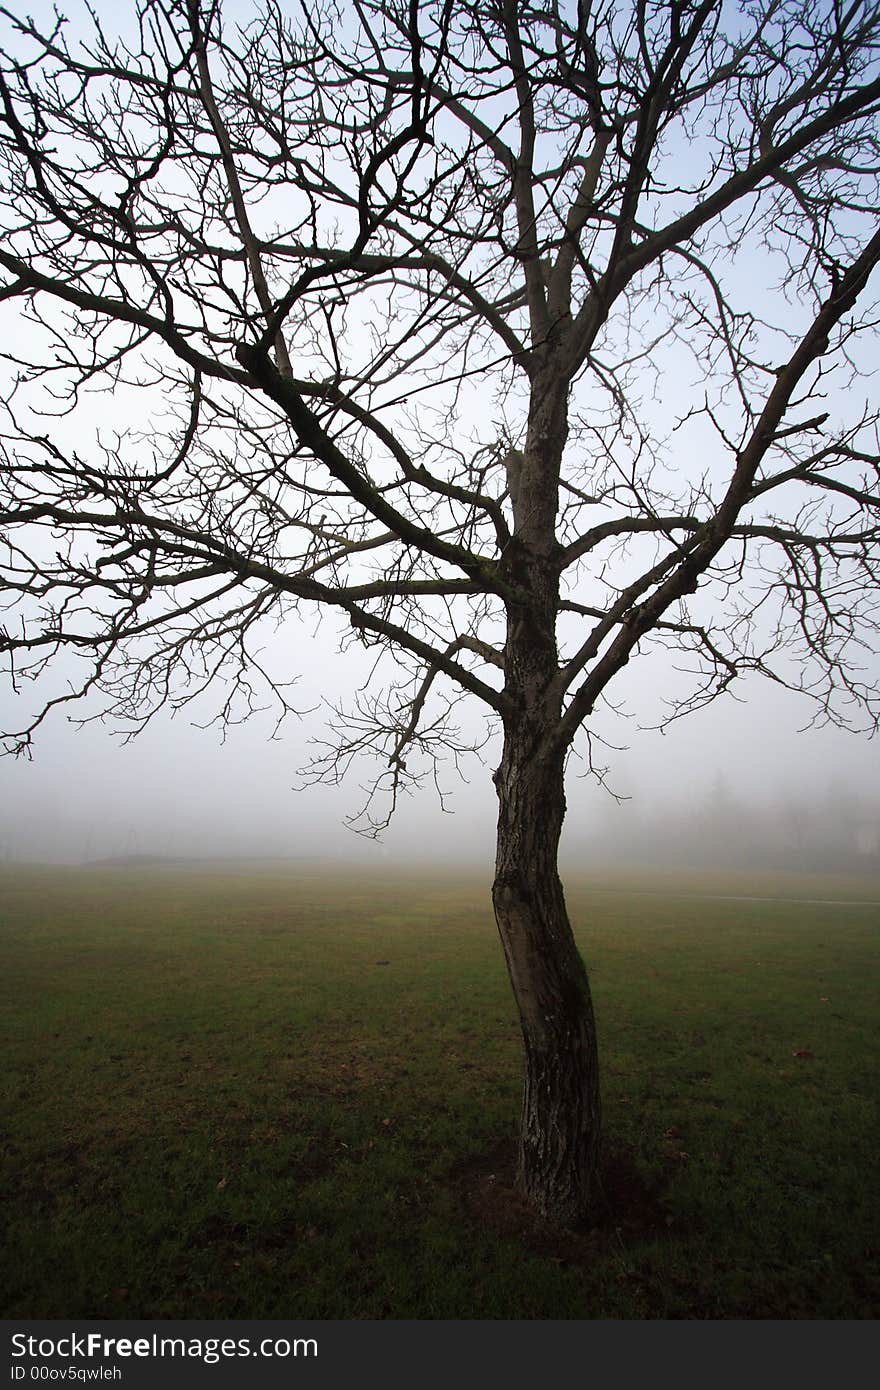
{"points": [[733, 785]]}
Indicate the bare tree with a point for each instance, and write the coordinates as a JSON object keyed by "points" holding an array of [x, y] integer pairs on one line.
{"points": [[528, 337]]}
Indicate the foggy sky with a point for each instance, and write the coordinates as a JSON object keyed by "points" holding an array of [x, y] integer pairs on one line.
{"points": [[743, 772], [740, 772]]}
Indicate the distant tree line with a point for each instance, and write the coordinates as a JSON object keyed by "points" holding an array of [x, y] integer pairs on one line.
{"points": [[837, 832]]}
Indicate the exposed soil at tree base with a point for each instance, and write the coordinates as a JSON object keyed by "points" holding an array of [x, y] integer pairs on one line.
{"points": [[628, 1210]]}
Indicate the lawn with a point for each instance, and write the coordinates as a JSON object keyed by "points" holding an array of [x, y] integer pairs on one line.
{"points": [[289, 1091]]}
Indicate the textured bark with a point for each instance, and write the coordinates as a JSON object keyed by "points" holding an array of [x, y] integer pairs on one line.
{"points": [[560, 1118], [559, 1135]]}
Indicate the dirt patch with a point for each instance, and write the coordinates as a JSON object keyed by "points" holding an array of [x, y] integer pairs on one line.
{"points": [[628, 1210]]}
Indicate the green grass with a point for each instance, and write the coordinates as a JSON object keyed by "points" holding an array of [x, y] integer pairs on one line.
{"points": [[247, 1093]]}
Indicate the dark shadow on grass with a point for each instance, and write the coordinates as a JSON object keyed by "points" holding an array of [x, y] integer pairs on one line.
{"points": [[628, 1210]]}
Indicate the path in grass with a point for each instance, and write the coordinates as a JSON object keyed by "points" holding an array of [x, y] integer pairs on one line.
{"points": [[262, 1092]]}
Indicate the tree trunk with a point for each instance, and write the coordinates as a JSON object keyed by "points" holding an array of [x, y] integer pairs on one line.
{"points": [[559, 1138]]}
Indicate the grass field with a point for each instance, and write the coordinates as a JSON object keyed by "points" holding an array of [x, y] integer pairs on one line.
{"points": [[289, 1091]]}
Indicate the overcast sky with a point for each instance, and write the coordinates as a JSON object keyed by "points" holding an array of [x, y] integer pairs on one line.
{"points": [[177, 790]]}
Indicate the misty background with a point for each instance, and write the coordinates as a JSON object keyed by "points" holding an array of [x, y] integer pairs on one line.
{"points": [[740, 783], [744, 782]]}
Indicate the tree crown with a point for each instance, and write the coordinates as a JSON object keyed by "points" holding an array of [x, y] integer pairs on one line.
{"points": [[495, 328]]}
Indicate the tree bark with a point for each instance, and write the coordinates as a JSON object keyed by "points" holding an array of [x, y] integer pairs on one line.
{"points": [[559, 1137]]}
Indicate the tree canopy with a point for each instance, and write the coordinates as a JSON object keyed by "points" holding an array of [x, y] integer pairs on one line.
{"points": [[338, 251]]}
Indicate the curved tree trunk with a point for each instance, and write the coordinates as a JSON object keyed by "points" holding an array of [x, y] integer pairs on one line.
{"points": [[559, 1137]]}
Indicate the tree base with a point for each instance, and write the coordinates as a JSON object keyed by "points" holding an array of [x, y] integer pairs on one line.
{"points": [[625, 1209]]}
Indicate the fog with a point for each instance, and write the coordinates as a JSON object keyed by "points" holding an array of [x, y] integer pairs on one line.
{"points": [[739, 783]]}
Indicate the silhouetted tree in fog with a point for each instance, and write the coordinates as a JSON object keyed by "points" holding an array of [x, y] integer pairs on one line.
{"points": [[406, 298]]}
